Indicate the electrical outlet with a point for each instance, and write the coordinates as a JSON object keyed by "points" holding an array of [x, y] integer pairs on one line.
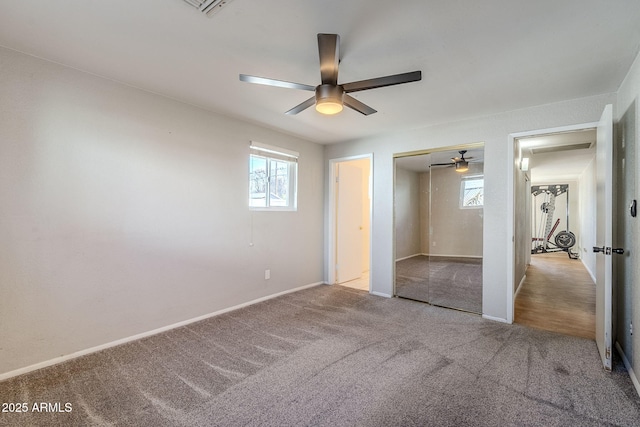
{"points": [[267, 274]]}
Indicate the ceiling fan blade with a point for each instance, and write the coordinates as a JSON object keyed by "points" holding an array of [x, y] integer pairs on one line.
{"points": [[354, 104], [273, 82], [303, 106], [441, 164], [329, 49], [396, 79]]}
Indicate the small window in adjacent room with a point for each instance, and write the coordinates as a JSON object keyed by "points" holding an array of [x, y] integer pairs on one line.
{"points": [[472, 192], [273, 174]]}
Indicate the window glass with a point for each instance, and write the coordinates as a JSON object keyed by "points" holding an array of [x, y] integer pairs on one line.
{"points": [[272, 178], [472, 192], [257, 181]]}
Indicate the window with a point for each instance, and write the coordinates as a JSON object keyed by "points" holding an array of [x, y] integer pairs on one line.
{"points": [[472, 192], [272, 178]]}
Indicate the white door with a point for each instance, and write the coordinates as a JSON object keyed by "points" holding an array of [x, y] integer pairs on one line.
{"points": [[604, 219], [349, 223]]}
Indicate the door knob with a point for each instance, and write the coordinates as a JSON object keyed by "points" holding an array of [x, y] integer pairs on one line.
{"points": [[597, 249]]}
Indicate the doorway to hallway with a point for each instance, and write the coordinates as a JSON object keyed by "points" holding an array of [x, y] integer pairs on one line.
{"points": [[556, 198]]}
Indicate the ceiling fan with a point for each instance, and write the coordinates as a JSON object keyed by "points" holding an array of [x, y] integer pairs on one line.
{"points": [[461, 164], [329, 95]]}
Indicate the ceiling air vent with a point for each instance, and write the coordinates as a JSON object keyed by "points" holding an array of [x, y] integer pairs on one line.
{"points": [[208, 7], [566, 147]]}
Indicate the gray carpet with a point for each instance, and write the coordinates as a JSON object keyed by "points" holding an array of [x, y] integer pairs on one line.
{"points": [[444, 281], [333, 356]]}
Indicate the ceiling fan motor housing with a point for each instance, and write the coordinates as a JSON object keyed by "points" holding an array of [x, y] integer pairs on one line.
{"points": [[329, 98]]}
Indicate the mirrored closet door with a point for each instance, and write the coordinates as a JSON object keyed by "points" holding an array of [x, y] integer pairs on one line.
{"points": [[438, 208]]}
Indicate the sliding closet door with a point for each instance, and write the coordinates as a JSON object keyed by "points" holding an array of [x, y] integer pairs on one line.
{"points": [[411, 227], [438, 208], [456, 209]]}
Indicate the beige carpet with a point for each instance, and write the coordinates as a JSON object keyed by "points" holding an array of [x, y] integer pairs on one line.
{"points": [[333, 356]]}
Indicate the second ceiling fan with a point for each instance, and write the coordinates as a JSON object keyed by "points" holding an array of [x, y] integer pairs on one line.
{"points": [[461, 164], [329, 95]]}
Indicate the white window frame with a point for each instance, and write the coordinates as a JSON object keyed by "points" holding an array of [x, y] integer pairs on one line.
{"points": [[463, 182], [275, 154]]}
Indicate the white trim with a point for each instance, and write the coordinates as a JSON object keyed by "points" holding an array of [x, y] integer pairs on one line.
{"points": [[510, 243], [380, 294], [593, 276], [115, 343], [627, 365], [453, 256], [519, 287], [495, 319], [410, 256], [273, 149]]}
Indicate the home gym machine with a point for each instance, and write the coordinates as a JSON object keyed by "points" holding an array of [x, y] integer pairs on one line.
{"points": [[563, 240]]}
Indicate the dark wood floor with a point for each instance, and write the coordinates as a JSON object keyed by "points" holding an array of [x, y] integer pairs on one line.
{"points": [[557, 295]]}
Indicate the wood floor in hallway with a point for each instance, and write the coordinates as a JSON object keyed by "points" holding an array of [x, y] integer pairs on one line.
{"points": [[557, 295]]}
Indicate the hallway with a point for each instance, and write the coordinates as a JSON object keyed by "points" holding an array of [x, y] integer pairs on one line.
{"points": [[557, 295]]}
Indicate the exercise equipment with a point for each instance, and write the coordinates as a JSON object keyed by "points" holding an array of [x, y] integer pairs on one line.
{"points": [[563, 240]]}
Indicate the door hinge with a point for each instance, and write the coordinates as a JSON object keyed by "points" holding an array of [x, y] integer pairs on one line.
{"points": [[607, 353]]}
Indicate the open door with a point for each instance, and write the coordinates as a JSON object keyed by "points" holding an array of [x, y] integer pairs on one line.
{"points": [[349, 223], [604, 233]]}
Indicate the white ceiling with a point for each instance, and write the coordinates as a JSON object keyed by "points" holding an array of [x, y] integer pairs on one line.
{"points": [[477, 58]]}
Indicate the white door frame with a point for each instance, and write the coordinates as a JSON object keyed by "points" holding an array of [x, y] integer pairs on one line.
{"points": [[511, 156], [332, 223]]}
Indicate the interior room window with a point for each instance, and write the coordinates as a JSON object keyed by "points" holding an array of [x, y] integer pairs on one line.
{"points": [[273, 174], [472, 192]]}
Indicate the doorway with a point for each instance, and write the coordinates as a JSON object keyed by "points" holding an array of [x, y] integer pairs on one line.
{"points": [[350, 222], [556, 190], [438, 220]]}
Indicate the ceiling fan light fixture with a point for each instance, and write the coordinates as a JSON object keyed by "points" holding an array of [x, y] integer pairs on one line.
{"points": [[329, 99], [462, 166], [328, 107]]}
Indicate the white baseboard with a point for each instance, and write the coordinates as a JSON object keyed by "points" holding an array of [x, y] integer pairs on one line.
{"points": [[519, 286], [380, 294], [593, 276], [64, 358], [440, 255], [454, 256], [627, 365], [495, 319], [407, 257]]}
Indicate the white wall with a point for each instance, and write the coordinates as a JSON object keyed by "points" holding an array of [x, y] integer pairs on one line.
{"points": [[123, 211], [587, 207], [494, 131]]}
